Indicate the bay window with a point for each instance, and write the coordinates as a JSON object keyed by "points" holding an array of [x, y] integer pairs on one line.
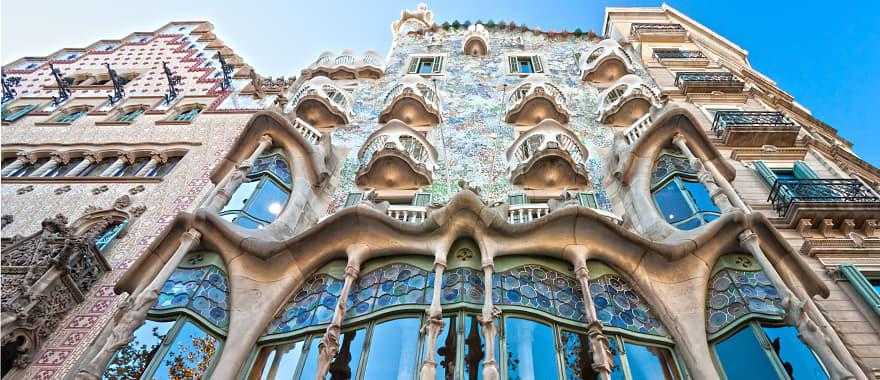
{"points": [[260, 199]]}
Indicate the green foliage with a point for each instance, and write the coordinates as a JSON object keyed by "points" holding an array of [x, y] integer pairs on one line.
{"points": [[445, 25], [490, 24], [456, 24]]}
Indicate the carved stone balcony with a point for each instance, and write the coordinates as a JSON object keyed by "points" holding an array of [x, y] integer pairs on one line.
{"points": [[677, 57], [526, 213], [824, 199], [396, 157], [310, 133], [346, 65], [534, 100], [412, 101], [408, 213], [707, 82], [548, 156], [322, 104], [44, 276], [754, 128], [476, 41], [657, 32], [605, 63], [626, 101]]}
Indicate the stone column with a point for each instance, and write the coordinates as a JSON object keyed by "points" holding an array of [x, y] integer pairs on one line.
{"points": [[603, 361], [21, 160], [487, 320], [224, 190], [124, 159], [821, 340], [133, 311], [55, 160], [706, 178], [88, 159], [156, 158], [329, 346], [434, 322]]}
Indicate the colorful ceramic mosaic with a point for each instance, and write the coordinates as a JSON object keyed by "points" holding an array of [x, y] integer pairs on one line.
{"points": [[391, 285], [734, 294], [463, 285], [203, 290], [539, 288], [312, 305], [668, 164], [618, 305], [275, 164]]}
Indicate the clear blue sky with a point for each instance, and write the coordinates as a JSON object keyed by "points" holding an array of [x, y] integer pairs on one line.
{"points": [[826, 54]]}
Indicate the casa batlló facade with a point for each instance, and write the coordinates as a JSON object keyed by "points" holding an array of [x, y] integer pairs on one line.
{"points": [[488, 201]]}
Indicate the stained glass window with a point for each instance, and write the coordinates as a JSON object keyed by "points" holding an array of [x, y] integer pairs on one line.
{"points": [[109, 235], [70, 116], [202, 290], [539, 288], [734, 294], [462, 285], [390, 285], [312, 305], [618, 305]]}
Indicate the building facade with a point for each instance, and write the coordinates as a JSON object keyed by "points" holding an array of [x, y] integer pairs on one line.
{"points": [[642, 203]]}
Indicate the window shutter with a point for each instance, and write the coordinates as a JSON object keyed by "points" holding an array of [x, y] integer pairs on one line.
{"points": [[513, 66], [587, 200], [353, 199], [422, 199], [803, 171], [861, 285], [517, 199], [536, 64], [765, 173], [437, 67], [413, 66]]}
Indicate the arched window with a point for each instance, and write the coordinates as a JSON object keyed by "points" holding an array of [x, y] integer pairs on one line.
{"points": [[129, 115], [263, 195], [28, 169], [106, 238], [187, 113], [682, 200], [164, 168], [70, 115], [745, 326], [184, 331], [11, 114]]}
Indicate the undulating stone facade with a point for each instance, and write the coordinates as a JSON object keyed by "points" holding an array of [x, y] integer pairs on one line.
{"points": [[642, 203]]}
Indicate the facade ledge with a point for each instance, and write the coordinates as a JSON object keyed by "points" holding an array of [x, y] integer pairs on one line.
{"points": [[626, 101], [535, 99], [605, 63], [322, 104], [413, 101], [396, 157], [548, 156]]}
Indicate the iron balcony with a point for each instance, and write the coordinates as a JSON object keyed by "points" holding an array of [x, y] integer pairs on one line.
{"points": [[754, 128], [706, 82]]}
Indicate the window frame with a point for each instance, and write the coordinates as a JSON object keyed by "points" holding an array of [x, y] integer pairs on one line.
{"points": [[512, 63], [757, 327], [414, 63], [63, 115], [180, 319], [17, 112], [261, 178], [862, 283], [696, 213]]}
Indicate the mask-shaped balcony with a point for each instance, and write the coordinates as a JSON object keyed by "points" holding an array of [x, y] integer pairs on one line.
{"points": [[534, 100], [346, 65], [321, 104], [476, 41], [707, 82], [823, 199], [657, 32], [604, 63], [396, 157], [754, 128], [412, 101], [548, 156], [626, 101]]}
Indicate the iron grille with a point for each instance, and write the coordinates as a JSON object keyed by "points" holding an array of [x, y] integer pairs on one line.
{"points": [[733, 119], [790, 191]]}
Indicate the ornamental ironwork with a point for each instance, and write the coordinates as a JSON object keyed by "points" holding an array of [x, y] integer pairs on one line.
{"points": [[173, 81], [678, 54], [792, 191], [226, 69], [63, 86], [718, 78], [118, 86], [9, 84], [741, 119], [651, 27]]}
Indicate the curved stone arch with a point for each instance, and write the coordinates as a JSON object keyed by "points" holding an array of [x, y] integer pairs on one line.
{"points": [[476, 41]]}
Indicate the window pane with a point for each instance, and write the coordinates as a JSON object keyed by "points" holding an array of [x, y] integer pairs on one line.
{"points": [[671, 203], [742, 357], [784, 174], [311, 365], [475, 348], [617, 372], [797, 359], [240, 196], [136, 166], [268, 201], [131, 361], [447, 346], [650, 362], [393, 351], [876, 285], [426, 66], [531, 353], [345, 365], [282, 361], [63, 169], [190, 354], [96, 170], [525, 66], [701, 196], [577, 356]]}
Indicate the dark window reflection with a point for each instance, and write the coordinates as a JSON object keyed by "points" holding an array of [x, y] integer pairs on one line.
{"points": [[742, 357], [577, 357], [393, 351], [649, 362], [447, 349], [131, 361], [531, 352], [475, 349], [345, 365], [797, 359]]}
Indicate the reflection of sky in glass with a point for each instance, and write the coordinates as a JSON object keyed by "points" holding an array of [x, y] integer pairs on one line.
{"points": [[393, 351], [647, 362], [144, 337], [351, 345], [184, 346], [742, 357], [530, 349], [284, 360], [311, 365], [795, 355]]}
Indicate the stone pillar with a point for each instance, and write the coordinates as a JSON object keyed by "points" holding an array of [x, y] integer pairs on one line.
{"points": [[88, 159], [821, 340], [133, 311], [124, 159], [487, 321], [21, 160], [329, 346], [156, 158], [603, 361], [55, 160], [434, 323], [706, 178], [224, 190]]}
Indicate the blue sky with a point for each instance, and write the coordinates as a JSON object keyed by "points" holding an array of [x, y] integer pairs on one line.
{"points": [[827, 57]]}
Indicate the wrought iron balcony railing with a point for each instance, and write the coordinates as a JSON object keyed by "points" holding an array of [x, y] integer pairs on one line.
{"points": [[678, 54], [786, 193], [741, 119], [698, 81], [651, 27]]}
